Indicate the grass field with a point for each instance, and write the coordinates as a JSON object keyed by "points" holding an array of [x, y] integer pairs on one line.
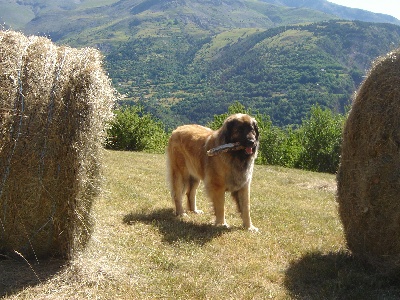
{"points": [[139, 250]]}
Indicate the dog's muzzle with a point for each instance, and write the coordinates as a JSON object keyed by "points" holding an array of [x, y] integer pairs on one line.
{"points": [[251, 147]]}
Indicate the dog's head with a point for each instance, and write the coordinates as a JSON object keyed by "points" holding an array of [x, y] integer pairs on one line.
{"points": [[243, 129]]}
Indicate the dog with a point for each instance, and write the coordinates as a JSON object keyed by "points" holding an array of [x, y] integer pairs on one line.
{"points": [[232, 171]]}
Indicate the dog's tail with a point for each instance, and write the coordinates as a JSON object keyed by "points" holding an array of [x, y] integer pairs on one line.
{"points": [[168, 174]]}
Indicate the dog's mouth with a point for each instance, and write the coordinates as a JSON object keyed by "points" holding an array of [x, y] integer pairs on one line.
{"points": [[250, 147], [249, 150]]}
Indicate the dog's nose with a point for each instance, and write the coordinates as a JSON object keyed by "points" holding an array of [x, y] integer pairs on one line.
{"points": [[251, 142]]}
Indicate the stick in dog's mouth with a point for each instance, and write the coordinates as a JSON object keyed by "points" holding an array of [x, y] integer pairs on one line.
{"points": [[227, 147]]}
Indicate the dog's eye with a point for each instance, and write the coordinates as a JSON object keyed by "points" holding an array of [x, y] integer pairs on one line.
{"points": [[248, 127]]}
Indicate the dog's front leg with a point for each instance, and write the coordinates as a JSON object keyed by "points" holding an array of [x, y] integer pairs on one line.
{"points": [[242, 197]]}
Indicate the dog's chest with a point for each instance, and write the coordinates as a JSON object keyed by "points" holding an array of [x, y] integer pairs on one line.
{"points": [[239, 176]]}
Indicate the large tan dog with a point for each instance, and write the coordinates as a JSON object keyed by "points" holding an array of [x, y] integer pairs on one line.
{"points": [[231, 171]]}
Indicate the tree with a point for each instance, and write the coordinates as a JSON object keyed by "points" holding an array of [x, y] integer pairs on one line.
{"points": [[134, 130], [321, 137], [278, 146]]}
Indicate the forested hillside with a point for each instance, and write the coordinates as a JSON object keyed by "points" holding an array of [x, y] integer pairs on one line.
{"points": [[280, 71], [187, 60]]}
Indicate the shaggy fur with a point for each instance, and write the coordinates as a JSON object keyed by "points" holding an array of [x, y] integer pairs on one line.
{"points": [[231, 172]]}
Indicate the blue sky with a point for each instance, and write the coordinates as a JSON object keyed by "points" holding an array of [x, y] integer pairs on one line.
{"points": [[390, 7]]}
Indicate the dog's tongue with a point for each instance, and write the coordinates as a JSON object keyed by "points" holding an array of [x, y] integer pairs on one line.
{"points": [[249, 150]]}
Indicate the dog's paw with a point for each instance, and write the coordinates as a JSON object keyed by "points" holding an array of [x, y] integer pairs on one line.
{"points": [[222, 225], [253, 229], [198, 211], [182, 215]]}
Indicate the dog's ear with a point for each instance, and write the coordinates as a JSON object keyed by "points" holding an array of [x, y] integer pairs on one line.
{"points": [[227, 129], [230, 124]]}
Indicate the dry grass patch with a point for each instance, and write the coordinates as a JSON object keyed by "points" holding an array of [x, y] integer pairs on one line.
{"points": [[139, 250]]}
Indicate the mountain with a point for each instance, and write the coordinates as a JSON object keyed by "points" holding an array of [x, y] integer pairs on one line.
{"points": [[186, 60], [280, 71], [30, 15], [339, 11], [119, 20]]}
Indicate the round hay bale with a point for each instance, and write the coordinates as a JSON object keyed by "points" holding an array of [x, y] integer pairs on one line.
{"points": [[369, 173], [54, 105]]}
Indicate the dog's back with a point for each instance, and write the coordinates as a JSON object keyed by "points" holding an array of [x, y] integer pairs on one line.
{"points": [[185, 150]]}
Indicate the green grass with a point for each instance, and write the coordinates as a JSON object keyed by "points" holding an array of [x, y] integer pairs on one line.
{"points": [[139, 250], [15, 15], [221, 40], [95, 3]]}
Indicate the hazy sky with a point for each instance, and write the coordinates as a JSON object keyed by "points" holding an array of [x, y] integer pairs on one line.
{"points": [[390, 7]]}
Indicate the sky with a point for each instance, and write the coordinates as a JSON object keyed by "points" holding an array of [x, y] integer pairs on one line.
{"points": [[389, 7]]}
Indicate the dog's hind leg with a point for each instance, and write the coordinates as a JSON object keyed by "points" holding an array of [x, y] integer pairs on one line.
{"points": [[217, 196], [176, 179], [177, 192], [193, 184]]}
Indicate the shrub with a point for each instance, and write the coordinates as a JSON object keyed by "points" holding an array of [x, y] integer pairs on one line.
{"points": [[278, 146], [134, 130], [314, 146], [320, 136]]}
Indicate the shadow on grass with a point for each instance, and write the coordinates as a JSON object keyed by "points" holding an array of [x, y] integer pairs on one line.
{"points": [[338, 276], [176, 229], [18, 275]]}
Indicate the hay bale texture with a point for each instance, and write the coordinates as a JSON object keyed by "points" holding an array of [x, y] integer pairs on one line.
{"points": [[369, 172], [54, 105]]}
